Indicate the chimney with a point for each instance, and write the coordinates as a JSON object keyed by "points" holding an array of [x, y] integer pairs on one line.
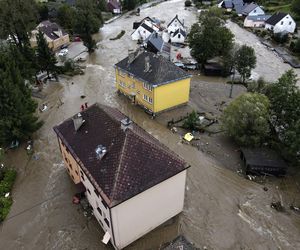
{"points": [[147, 64], [100, 151], [126, 123], [77, 121]]}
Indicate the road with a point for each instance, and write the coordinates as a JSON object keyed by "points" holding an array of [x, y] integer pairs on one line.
{"points": [[222, 209]]}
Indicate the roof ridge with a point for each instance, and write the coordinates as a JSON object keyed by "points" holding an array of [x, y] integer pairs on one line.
{"points": [[118, 170]]}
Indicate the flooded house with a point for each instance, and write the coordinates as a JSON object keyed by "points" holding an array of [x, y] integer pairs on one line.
{"points": [[53, 33], [155, 43], [258, 21], [152, 81], [252, 9], [114, 6], [175, 24], [133, 182]]}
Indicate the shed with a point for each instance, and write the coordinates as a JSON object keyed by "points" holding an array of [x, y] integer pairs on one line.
{"points": [[262, 161]]}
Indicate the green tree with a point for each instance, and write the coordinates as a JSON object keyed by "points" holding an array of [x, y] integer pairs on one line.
{"points": [[17, 19], [88, 22], [191, 121], [43, 11], [284, 97], [245, 61], [17, 119], [246, 119], [66, 16], [296, 6], [45, 57], [129, 4], [210, 39]]}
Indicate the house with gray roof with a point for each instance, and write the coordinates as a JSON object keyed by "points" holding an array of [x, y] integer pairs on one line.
{"points": [[132, 182], [252, 9], [256, 21], [280, 23], [53, 33], [154, 43], [152, 82]]}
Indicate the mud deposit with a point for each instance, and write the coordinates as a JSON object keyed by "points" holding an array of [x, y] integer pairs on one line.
{"points": [[222, 209]]}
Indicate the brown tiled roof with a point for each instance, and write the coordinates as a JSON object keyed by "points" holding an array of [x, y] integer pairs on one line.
{"points": [[134, 162]]}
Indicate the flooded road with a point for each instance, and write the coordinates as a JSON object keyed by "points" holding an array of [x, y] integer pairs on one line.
{"points": [[222, 210], [269, 65]]}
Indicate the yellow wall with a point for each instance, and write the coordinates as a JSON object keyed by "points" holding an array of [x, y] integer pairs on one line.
{"points": [[171, 95], [70, 163], [164, 96], [137, 89]]}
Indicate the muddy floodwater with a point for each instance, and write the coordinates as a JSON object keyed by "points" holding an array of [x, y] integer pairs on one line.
{"points": [[222, 209]]}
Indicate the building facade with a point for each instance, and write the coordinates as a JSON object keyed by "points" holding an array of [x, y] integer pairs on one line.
{"points": [[131, 179], [152, 82], [281, 22]]}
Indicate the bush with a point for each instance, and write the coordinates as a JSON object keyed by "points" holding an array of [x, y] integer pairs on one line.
{"points": [[280, 38], [187, 3], [6, 184], [191, 121]]}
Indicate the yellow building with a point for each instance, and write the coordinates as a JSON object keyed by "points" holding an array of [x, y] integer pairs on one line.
{"points": [[54, 35], [152, 81]]}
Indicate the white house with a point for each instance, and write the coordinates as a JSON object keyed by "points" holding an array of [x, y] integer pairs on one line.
{"points": [[256, 21], [133, 182], [145, 29], [178, 36], [281, 22], [175, 24], [252, 9]]}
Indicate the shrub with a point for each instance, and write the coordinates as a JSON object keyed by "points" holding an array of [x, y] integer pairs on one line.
{"points": [[191, 121]]}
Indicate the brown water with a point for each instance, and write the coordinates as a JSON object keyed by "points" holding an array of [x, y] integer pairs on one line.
{"points": [[222, 210]]}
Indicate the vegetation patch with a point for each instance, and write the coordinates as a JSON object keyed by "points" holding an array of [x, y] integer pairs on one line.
{"points": [[118, 36], [7, 179]]}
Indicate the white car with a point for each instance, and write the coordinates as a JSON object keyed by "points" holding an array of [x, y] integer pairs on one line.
{"points": [[63, 52]]}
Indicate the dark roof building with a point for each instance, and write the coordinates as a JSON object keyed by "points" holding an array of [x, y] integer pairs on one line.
{"points": [[155, 44], [263, 160], [175, 19], [248, 8], [51, 29], [134, 160], [161, 70], [276, 18]]}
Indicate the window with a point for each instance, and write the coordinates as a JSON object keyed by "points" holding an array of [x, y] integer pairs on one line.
{"points": [[88, 191], [148, 99], [281, 23], [254, 11], [179, 35], [107, 222], [122, 84], [290, 23], [66, 159], [70, 165], [100, 223], [68, 170], [99, 211], [76, 172], [121, 73], [72, 176], [104, 204], [147, 86]]}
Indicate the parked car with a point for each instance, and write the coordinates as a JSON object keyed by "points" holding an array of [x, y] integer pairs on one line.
{"points": [[64, 46], [63, 52], [77, 39]]}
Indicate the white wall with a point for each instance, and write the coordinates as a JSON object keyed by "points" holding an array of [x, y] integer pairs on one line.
{"points": [[95, 202], [286, 24], [179, 38], [142, 33], [257, 11], [251, 23], [139, 215], [175, 25]]}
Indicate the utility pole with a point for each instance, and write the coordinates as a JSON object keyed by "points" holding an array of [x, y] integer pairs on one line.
{"points": [[232, 82]]}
